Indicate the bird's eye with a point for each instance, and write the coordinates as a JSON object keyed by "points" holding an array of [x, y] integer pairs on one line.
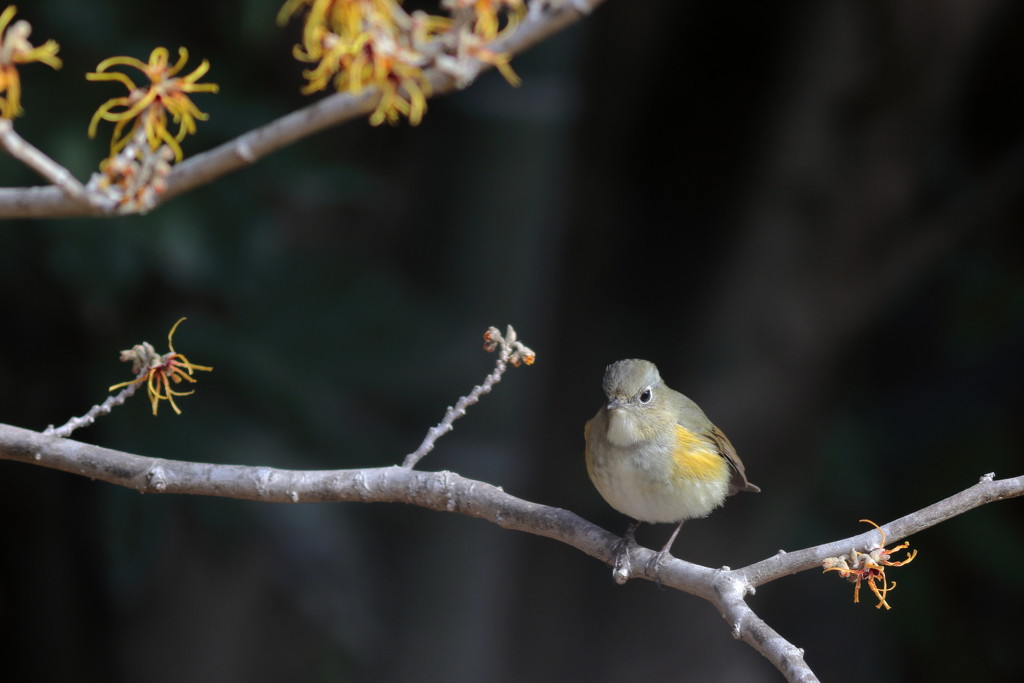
{"points": [[645, 395]]}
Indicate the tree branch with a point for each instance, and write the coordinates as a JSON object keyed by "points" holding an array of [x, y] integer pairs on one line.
{"points": [[25, 152], [59, 201], [450, 492], [987, 490], [442, 491]]}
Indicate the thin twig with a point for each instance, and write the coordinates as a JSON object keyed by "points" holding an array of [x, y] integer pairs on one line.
{"points": [[104, 408], [454, 413], [508, 349]]}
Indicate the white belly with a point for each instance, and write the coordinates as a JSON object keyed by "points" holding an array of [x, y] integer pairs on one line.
{"points": [[635, 490]]}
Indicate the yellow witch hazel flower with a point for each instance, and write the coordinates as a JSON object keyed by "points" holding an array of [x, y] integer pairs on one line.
{"points": [[14, 50], [147, 107], [870, 566], [143, 147], [486, 15], [358, 44], [160, 371], [480, 23]]}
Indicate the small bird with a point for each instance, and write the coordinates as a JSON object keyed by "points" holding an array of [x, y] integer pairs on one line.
{"points": [[654, 456]]}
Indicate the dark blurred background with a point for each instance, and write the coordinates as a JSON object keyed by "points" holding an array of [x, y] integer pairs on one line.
{"points": [[807, 213]]}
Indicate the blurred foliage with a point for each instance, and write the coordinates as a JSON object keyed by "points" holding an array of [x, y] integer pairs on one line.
{"points": [[806, 213]]}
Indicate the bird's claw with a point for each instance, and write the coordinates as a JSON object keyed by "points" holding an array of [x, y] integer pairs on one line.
{"points": [[621, 566], [653, 566]]}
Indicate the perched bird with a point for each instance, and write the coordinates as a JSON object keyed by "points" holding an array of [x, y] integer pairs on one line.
{"points": [[654, 456]]}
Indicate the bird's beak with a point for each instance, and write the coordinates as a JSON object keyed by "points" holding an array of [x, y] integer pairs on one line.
{"points": [[614, 403]]}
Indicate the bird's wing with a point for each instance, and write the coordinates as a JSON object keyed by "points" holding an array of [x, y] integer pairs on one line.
{"points": [[739, 475]]}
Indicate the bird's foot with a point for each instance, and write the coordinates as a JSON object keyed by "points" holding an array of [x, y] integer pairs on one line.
{"points": [[653, 566], [621, 565]]}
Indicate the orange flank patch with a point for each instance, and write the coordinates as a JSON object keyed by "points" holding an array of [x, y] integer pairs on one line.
{"points": [[696, 458]]}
